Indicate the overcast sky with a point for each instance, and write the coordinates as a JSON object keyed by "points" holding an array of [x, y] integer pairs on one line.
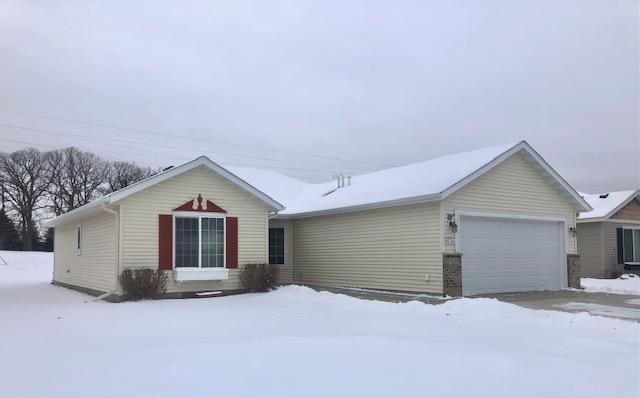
{"points": [[314, 88]]}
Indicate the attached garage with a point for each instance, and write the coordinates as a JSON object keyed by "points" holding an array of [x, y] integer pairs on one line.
{"points": [[511, 254]]}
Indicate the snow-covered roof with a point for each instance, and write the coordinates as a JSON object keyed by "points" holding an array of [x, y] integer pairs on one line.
{"points": [[98, 205], [606, 204], [413, 183], [280, 187], [429, 180]]}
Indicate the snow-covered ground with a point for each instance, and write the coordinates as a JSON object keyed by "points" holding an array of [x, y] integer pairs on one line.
{"points": [[626, 284], [55, 342]]}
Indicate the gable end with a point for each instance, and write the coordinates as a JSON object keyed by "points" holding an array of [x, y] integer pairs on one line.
{"points": [[631, 211]]}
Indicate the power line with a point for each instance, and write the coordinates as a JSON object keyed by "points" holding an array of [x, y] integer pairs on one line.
{"points": [[172, 157], [109, 126], [111, 140], [82, 138], [119, 156]]}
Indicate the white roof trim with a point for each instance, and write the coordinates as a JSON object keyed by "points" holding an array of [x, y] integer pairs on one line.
{"points": [[632, 196], [116, 196], [201, 161], [522, 145], [204, 161], [366, 206]]}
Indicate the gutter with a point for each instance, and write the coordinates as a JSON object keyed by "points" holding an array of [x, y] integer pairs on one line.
{"points": [[62, 217], [367, 206]]}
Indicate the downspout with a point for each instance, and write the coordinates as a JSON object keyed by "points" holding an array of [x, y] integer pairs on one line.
{"points": [[117, 275]]}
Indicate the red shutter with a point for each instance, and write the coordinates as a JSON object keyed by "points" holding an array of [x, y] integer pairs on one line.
{"points": [[165, 241], [232, 242]]}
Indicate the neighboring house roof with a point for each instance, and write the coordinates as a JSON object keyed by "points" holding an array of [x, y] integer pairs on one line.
{"points": [[606, 204], [96, 206], [413, 183], [426, 181]]}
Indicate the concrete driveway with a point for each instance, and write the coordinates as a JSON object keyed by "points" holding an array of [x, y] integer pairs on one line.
{"points": [[621, 306]]}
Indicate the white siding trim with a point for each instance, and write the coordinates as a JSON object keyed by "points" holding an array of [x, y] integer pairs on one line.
{"points": [[199, 216]]}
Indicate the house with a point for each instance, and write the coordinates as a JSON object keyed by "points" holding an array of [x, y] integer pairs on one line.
{"points": [[490, 220], [609, 235]]}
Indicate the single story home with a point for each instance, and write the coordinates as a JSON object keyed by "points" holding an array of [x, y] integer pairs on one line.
{"points": [[496, 219], [609, 235]]}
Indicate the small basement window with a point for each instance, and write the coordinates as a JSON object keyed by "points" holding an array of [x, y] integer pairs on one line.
{"points": [[78, 240], [276, 245]]}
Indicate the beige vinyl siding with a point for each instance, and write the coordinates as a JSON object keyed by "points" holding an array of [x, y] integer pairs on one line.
{"points": [[590, 246], [140, 222], [513, 187], [631, 211], [95, 268], [391, 249], [286, 270]]}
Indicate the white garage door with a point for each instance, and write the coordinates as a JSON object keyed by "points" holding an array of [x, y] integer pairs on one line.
{"points": [[511, 255]]}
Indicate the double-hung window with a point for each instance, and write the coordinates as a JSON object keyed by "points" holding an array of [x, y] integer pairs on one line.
{"points": [[631, 245], [199, 241], [276, 245]]}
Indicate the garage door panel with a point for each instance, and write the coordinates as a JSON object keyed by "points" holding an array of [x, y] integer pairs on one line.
{"points": [[516, 285], [515, 248], [486, 265], [502, 255]]}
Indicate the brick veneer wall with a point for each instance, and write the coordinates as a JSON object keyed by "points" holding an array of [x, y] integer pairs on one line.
{"points": [[452, 274]]}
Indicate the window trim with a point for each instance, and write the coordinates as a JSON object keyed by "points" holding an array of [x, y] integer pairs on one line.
{"points": [[199, 215], [636, 230], [284, 245], [79, 240]]}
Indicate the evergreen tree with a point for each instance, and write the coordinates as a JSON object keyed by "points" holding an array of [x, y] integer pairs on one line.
{"points": [[31, 241], [9, 237], [47, 245]]}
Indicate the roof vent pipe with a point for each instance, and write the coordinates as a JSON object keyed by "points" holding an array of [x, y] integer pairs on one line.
{"points": [[348, 180], [341, 180], [337, 178]]}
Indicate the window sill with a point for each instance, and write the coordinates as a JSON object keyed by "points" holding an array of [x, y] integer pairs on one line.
{"points": [[200, 274]]}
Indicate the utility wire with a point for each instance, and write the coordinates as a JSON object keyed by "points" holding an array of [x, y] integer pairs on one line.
{"points": [[114, 127], [82, 138], [120, 157], [111, 140]]}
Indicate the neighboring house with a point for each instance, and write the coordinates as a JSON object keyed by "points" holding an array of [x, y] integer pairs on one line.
{"points": [[491, 220], [609, 235]]}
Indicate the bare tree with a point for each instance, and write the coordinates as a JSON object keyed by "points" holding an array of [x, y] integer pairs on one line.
{"points": [[26, 176], [80, 178], [123, 174]]}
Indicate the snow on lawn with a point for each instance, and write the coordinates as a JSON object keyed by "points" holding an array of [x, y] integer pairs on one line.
{"points": [[625, 284], [55, 342]]}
